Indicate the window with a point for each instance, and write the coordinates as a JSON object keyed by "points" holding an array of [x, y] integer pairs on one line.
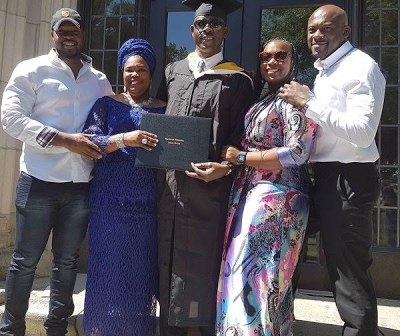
{"points": [[380, 39], [179, 39], [112, 22]]}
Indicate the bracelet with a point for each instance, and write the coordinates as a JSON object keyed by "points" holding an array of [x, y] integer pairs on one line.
{"points": [[259, 161], [230, 165], [119, 140]]}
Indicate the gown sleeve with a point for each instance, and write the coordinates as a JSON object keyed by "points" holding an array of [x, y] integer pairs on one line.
{"points": [[241, 101]]}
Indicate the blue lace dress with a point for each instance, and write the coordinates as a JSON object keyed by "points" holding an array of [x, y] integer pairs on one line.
{"points": [[122, 278]]}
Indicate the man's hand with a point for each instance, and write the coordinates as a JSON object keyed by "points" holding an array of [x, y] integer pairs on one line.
{"points": [[78, 143], [208, 171], [295, 94]]}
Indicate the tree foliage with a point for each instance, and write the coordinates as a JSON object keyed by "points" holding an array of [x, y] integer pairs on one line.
{"points": [[174, 54]]}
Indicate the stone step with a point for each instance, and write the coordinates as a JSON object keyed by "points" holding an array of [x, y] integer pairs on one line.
{"points": [[39, 306]]}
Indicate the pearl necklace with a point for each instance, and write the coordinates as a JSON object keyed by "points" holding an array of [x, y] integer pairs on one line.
{"points": [[133, 103]]}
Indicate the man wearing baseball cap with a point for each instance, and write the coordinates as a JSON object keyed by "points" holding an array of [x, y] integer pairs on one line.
{"points": [[66, 15], [45, 105]]}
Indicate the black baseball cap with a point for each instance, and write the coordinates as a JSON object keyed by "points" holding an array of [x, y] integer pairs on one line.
{"points": [[218, 8], [66, 14]]}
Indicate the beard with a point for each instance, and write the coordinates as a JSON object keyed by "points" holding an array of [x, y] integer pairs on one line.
{"points": [[69, 53]]}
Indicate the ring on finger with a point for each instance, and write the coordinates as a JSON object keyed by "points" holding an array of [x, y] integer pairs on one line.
{"points": [[144, 141]]}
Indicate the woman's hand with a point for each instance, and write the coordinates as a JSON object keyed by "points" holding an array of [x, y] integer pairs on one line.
{"points": [[208, 171], [229, 153], [142, 139]]}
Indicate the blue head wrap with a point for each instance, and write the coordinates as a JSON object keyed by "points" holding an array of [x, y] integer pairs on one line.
{"points": [[138, 47]]}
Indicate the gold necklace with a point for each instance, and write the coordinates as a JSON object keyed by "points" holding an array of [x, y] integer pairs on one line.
{"points": [[134, 103]]}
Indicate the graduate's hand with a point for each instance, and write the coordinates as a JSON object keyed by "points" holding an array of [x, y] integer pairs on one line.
{"points": [[208, 171]]}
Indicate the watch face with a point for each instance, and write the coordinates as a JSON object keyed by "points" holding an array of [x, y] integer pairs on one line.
{"points": [[241, 157]]}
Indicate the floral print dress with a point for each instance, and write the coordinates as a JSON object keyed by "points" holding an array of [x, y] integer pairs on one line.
{"points": [[266, 224]]}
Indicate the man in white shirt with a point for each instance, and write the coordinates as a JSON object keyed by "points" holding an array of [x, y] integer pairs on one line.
{"points": [[45, 105], [346, 103]]}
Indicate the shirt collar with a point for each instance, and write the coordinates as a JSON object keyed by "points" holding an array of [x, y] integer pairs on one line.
{"points": [[210, 61], [55, 59], [324, 64]]}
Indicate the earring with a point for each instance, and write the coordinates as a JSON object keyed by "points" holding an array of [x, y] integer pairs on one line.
{"points": [[124, 88]]}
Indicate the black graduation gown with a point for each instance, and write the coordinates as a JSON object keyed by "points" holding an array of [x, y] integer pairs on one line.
{"points": [[192, 213]]}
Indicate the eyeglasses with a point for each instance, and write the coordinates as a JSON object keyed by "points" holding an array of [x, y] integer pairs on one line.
{"points": [[214, 24], [280, 56]]}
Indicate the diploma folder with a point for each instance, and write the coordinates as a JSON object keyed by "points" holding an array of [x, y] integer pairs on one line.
{"points": [[181, 140]]}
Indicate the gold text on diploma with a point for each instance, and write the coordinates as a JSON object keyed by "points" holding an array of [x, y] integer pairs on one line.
{"points": [[174, 141]]}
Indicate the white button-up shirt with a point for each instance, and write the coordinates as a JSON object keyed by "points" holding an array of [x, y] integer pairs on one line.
{"points": [[349, 92], [43, 95], [209, 62]]}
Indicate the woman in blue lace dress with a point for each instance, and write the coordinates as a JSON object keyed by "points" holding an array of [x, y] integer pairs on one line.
{"points": [[268, 209], [122, 278]]}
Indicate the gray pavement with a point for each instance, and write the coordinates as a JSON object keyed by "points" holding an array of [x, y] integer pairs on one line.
{"points": [[316, 314]]}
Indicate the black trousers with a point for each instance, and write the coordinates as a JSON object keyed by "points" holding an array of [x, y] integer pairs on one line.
{"points": [[344, 197]]}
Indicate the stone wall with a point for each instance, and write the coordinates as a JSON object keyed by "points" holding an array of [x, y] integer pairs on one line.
{"points": [[24, 33]]}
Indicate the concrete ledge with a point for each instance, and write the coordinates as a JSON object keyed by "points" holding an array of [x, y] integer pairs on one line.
{"points": [[315, 311]]}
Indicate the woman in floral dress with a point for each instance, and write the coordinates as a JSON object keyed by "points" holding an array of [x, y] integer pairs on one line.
{"points": [[268, 208]]}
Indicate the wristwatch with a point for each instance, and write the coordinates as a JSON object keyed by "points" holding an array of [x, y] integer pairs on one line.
{"points": [[310, 96], [241, 158]]}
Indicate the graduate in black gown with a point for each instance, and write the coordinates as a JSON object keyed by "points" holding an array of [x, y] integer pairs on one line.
{"points": [[193, 205]]}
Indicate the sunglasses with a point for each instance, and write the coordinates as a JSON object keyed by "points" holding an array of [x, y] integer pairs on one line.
{"points": [[280, 56], [214, 24]]}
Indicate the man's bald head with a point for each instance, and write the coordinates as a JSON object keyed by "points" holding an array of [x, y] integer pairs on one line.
{"points": [[327, 30], [333, 12]]}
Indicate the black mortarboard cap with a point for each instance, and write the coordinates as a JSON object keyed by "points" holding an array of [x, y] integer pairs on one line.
{"points": [[218, 8]]}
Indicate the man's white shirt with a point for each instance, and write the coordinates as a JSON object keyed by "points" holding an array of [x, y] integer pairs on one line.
{"points": [[349, 93], [44, 95]]}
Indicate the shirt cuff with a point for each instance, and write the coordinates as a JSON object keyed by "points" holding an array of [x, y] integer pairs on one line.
{"points": [[284, 156], [46, 135]]}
